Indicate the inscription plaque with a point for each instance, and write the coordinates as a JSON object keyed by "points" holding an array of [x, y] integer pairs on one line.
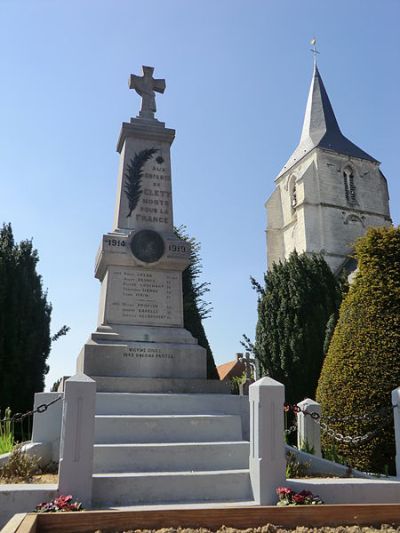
{"points": [[141, 296], [148, 353]]}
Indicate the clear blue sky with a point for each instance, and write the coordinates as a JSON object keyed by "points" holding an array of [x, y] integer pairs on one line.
{"points": [[237, 73]]}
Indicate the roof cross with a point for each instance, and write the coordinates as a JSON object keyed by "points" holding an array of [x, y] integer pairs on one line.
{"points": [[314, 50], [145, 86]]}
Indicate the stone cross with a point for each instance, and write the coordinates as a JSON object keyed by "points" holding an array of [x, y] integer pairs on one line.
{"points": [[249, 364], [145, 86]]}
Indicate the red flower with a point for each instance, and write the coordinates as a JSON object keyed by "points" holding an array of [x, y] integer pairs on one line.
{"points": [[61, 503], [284, 491], [299, 498]]}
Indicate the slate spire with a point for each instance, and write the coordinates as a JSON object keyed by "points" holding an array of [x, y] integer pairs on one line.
{"points": [[319, 118], [320, 127]]}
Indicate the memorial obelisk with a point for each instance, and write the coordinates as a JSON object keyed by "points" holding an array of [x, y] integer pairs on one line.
{"points": [[140, 344]]}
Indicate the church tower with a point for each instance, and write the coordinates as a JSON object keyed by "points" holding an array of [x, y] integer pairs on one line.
{"points": [[328, 193]]}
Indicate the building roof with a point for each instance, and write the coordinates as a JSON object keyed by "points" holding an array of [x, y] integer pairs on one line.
{"points": [[227, 370], [320, 128]]}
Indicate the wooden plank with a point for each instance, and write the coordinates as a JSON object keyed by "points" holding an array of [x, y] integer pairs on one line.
{"points": [[13, 524], [28, 524], [214, 518], [21, 523]]}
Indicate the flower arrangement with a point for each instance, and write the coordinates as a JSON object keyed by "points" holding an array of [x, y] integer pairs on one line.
{"points": [[290, 497], [60, 504]]}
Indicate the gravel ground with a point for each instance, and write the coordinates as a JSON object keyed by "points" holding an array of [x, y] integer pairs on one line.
{"points": [[269, 528]]}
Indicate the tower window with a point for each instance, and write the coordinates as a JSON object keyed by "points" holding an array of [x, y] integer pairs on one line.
{"points": [[294, 196], [349, 187], [293, 193]]}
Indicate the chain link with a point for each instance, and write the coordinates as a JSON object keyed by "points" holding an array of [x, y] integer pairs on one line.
{"points": [[18, 417], [354, 441], [291, 429]]}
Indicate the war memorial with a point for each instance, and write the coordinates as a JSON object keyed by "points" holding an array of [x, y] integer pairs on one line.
{"points": [[139, 425]]}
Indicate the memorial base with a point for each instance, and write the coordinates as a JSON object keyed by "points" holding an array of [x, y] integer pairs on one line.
{"points": [[143, 359]]}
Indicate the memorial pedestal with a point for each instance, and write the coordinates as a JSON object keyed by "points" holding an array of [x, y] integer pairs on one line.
{"points": [[140, 344]]}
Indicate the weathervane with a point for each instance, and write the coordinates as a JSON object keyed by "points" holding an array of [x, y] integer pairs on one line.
{"points": [[314, 50]]}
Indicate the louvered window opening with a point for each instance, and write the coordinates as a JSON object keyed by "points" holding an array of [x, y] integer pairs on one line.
{"points": [[349, 186]]}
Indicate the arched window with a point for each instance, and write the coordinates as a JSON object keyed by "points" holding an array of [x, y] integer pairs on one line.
{"points": [[293, 193], [349, 187]]}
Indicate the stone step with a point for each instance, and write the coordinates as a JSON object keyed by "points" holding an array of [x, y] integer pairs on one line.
{"points": [[161, 385], [180, 487], [173, 457], [112, 429], [170, 404]]}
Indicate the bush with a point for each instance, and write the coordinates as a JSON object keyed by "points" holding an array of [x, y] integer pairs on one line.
{"points": [[294, 468], [299, 297], [362, 365], [19, 467]]}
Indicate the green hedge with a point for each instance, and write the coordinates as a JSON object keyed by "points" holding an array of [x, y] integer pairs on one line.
{"points": [[362, 366]]}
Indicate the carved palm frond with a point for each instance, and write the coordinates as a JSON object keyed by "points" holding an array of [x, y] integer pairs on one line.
{"points": [[134, 174]]}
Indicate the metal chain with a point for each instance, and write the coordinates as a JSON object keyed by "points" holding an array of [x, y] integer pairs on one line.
{"points": [[383, 413], [291, 429], [347, 439], [39, 409]]}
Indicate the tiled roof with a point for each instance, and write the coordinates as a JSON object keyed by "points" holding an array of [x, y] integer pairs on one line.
{"points": [[225, 369]]}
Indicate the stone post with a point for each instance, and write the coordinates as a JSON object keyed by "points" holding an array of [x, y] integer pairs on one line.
{"points": [[396, 416], [267, 454], [77, 438], [308, 430]]}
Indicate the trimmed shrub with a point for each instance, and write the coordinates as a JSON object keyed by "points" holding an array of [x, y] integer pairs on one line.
{"points": [[362, 365]]}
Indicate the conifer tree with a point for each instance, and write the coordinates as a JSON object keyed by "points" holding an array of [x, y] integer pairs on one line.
{"points": [[195, 308], [24, 324], [362, 365], [294, 306]]}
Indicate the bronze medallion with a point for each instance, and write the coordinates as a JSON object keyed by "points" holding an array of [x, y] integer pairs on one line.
{"points": [[147, 246]]}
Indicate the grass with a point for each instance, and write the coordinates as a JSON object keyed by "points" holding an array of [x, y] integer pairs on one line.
{"points": [[295, 469], [6, 433]]}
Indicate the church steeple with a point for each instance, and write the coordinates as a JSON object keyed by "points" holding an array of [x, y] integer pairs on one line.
{"points": [[328, 193], [320, 127]]}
